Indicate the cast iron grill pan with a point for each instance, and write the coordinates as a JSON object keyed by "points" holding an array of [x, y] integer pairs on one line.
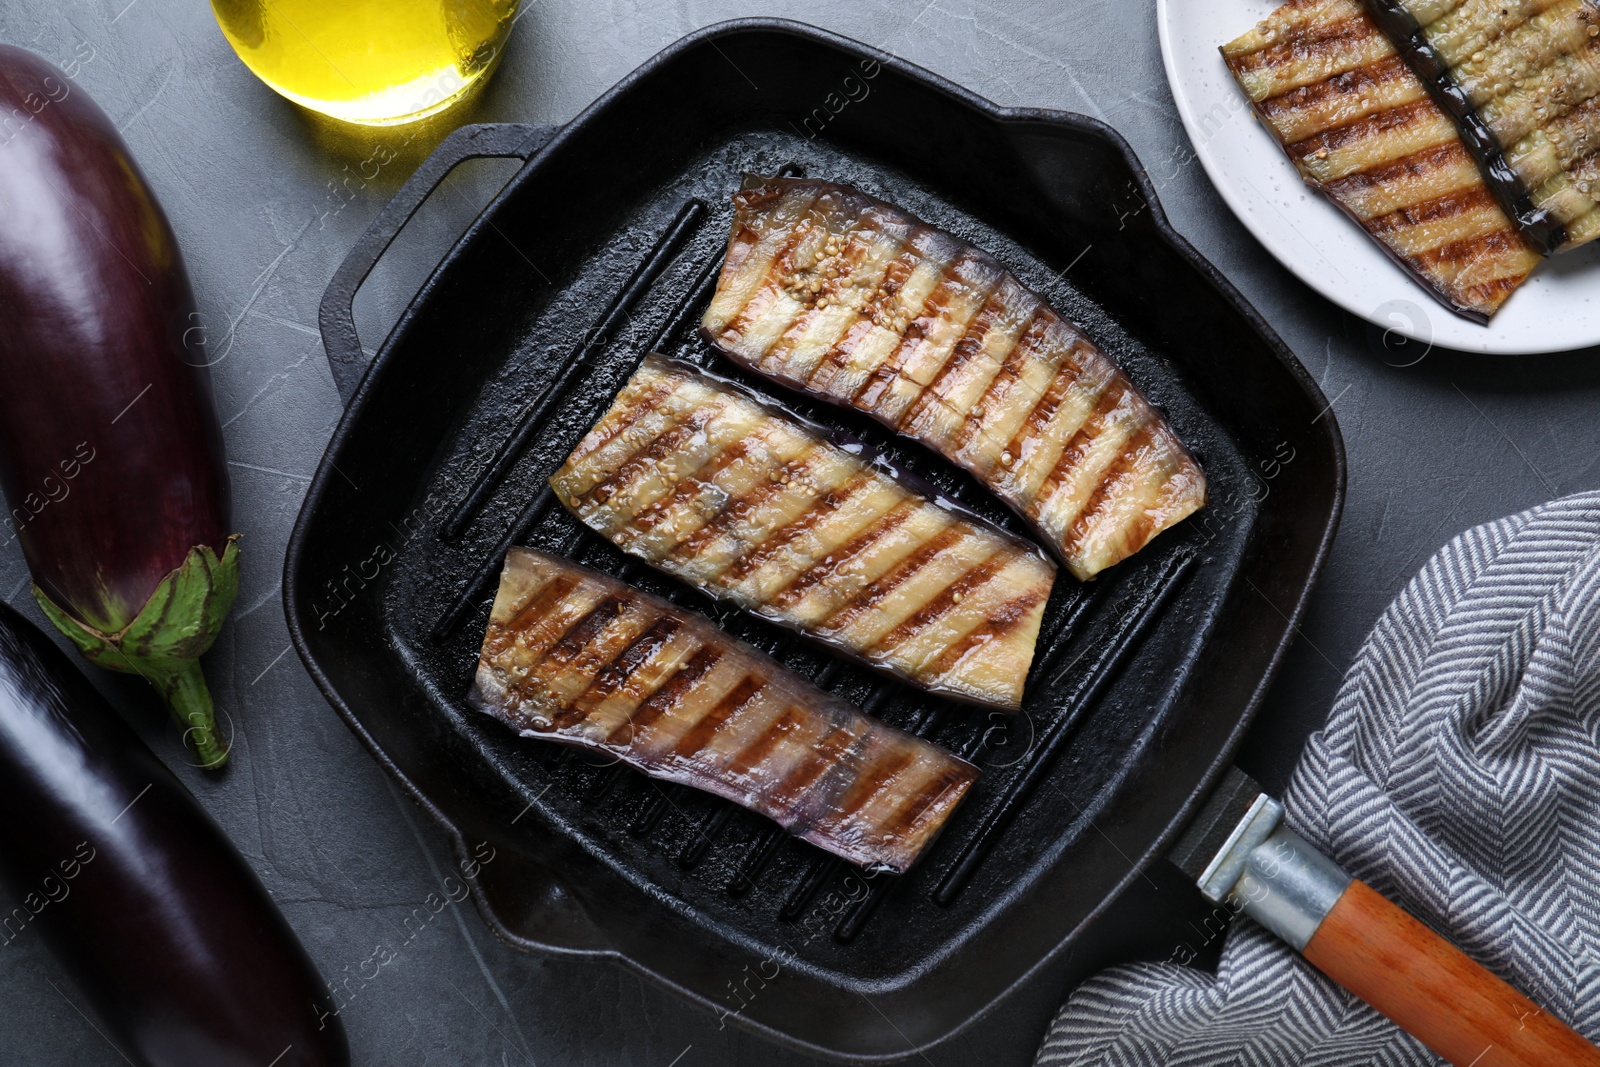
{"points": [[599, 251], [679, 840]]}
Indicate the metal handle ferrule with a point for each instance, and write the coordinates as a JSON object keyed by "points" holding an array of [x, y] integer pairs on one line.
{"points": [[1289, 887]]}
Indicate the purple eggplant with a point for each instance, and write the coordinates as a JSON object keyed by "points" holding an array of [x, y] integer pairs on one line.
{"points": [[163, 926], [111, 456]]}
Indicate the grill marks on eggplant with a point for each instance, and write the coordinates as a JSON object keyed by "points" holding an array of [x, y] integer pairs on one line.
{"points": [[1361, 127], [574, 656], [1523, 78], [828, 290], [747, 502]]}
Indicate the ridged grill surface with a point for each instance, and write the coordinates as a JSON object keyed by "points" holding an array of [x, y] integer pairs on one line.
{"points": [[645, 289]]}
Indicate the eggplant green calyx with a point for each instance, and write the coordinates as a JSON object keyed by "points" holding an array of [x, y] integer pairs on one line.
{"points": [[165, 640]]}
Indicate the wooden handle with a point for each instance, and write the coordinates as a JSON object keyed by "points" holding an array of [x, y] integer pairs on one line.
{"points": [[1430, 989]]}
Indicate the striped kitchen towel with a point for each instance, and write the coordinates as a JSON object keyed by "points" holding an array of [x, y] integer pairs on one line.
{"points": [[1458, 774]]}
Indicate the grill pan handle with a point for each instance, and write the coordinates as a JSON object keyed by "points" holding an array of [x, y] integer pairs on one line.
{"points": [[489, 140]]}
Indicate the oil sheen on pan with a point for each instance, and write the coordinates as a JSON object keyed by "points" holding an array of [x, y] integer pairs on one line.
{"points": [[1360, 127], [810, 530], [577, 657], [831, 291]]}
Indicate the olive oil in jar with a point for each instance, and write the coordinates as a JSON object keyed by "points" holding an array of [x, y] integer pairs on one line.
{"points": [[375, 62]]}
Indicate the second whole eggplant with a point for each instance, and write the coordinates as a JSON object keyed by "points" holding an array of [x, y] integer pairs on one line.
{"points": [[111, 456], [160, 922]]}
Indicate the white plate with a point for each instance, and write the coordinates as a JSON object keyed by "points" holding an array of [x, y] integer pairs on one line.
{"points": [[1556, 310]]}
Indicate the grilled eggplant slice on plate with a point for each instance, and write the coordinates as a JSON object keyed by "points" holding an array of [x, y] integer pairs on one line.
{"points": [[831, 291], [810, 530], [574, 656], [1361, 127], [1521, 78]]}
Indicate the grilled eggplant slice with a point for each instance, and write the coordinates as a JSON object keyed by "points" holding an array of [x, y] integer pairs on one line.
{"points": [[809, 530], [1521, 79], [1361, 127], [828, 290], [577, 657]]}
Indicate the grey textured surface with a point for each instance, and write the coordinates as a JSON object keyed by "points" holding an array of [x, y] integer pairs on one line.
{"points": [[265, 206]]}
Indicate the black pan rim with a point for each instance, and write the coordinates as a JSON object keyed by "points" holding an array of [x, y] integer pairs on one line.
{"points": [[1005, 116]]}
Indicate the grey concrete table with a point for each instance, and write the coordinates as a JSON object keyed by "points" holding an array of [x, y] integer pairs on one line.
{"points": [[265, 204]]}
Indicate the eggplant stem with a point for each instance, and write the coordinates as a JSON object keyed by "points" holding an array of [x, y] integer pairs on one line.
{"points": [[184, 690], [165, 640]]}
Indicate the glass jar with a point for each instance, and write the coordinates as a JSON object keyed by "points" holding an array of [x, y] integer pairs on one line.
{"points": [[374, 62]]}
